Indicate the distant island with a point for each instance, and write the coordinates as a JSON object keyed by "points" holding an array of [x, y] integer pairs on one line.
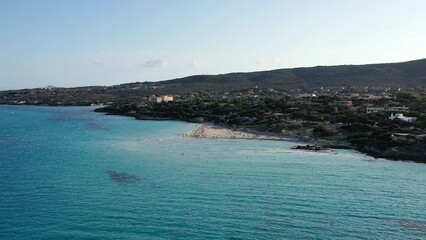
{"points": [[378, 109]]}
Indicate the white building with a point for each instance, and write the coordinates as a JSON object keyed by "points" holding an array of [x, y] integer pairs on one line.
{"points": [[401, 116]]}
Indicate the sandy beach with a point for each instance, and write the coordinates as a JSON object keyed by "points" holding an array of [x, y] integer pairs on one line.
{"points": [[218, 132]]}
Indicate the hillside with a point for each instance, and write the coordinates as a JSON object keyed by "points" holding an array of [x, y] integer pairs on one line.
{"points": [[408, 75]]}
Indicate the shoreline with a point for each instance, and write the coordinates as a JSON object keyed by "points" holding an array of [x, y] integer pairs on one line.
{"points": [[218, 132], [211, 131], [214, 131]]}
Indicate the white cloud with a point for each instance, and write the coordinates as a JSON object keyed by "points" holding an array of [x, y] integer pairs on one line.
{"points": [[198, 63], [156, 63]]}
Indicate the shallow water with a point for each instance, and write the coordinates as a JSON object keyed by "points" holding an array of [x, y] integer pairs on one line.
{"points": [[67, 172]]}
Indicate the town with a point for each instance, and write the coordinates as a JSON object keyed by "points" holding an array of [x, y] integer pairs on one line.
{"points": [[383, 122]]}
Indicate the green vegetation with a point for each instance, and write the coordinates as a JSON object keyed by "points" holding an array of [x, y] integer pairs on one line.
{"points": [[304, 118], [323, 103]]}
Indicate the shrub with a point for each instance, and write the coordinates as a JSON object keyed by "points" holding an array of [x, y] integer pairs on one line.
{"points": [[358, 127], [322, 131]]}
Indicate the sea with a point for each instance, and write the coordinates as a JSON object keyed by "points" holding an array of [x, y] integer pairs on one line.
{"points": [[71, 173]]}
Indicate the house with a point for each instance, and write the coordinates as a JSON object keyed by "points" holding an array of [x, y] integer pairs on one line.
{"points": [[369, 110], [167, 98], [155, 99], [401, 116], [403, 108], [350, 95], [369, 97], [306, 95], [162, 98]]}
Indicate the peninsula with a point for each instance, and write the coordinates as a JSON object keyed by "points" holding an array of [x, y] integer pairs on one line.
{"points": [[378, 109]]}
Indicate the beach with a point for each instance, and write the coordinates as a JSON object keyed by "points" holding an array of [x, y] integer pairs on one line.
{"points": [[210, 131], [219, 132]]}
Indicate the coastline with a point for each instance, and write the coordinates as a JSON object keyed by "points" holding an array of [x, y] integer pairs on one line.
{"points": [[214, 131], [211, 131], [301, 136], [293, 136]]}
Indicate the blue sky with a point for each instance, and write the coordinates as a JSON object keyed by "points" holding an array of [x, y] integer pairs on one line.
{"points": [[79, 43]]}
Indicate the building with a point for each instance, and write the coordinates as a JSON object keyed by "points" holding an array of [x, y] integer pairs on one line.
{"points": [[342, 103], [401, 117], [167, 98], [162, 98], [370, 97], [155, 99], [403, 108], [306, 95], [380, 109], [369, 110]]}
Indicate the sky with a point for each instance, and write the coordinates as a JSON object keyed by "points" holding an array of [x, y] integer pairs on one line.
{"points": [[69, 43]]}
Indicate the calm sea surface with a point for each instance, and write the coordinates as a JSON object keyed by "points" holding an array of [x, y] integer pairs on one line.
{"points": [[70, 173]]}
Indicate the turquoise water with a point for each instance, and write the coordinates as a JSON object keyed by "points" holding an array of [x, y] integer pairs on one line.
{"points": [[70, 173]]}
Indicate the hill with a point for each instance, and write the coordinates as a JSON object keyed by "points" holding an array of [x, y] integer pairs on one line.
{"points": [[406, 75], [410, 74]]}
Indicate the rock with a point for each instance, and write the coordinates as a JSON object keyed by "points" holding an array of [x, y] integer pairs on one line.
{"points": [[310, 147]]}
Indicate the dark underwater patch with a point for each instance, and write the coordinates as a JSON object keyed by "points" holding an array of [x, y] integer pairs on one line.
{"points": [[96, 126], [412, 225], [122, 178]]}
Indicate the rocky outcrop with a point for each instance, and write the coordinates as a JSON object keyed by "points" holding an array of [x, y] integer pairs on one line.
{"points": [[411, 153], [310, 147]]}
